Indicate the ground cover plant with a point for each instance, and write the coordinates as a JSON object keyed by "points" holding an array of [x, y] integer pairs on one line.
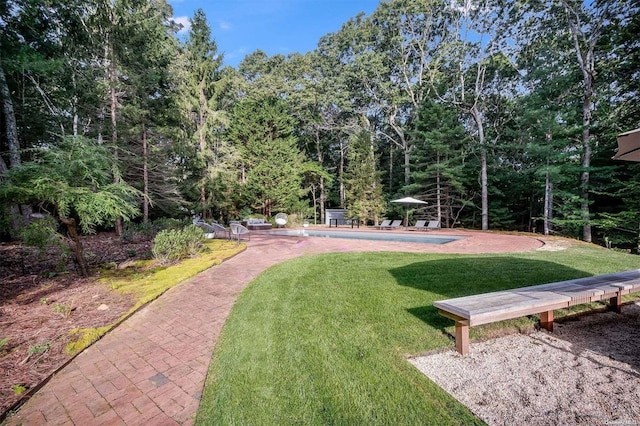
{"points": [[324, 339]]}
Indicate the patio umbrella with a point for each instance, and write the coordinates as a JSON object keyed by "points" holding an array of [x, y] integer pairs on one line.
{"points": [[628, 146], [408, 201]]}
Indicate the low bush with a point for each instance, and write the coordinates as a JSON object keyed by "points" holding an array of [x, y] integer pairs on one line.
{"points": [[42, 234], [148, 230], [171, 245]]}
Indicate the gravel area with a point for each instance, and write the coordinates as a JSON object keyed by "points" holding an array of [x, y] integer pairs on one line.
{"points": [[587, 372]]}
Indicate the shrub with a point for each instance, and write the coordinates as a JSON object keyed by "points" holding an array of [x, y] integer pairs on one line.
{"points": [[41, 234], [169, 223], [172, 245], [148, 230]]}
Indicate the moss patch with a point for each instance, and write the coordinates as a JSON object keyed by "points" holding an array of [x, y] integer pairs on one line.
{"points": [[84, 337], [147, 281]]}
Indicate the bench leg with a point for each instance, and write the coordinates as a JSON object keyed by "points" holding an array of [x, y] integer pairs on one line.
{"points": [[462, 338], [546, 320], [615, 303]]}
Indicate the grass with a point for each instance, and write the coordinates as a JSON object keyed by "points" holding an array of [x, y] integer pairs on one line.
{"points": [[146, 283], [324, 339]]}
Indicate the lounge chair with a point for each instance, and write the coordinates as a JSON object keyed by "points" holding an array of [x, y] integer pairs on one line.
{"points": [[419, 226], [433, 224], [281, 220], [237, 231], [395, 224], [385, 224], [216, 229]]}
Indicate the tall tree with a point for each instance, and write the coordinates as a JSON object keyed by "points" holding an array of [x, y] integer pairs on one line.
{"points": [[363, 181], [405, 35], [148, 101], [440, 148], [576, 28], [202, 90], [271, 165]]}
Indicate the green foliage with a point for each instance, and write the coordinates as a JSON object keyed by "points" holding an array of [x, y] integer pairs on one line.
{"points": [[170, 223], [39, 348], [63, 309], [41, 234], [273, 165], [18, 389], [172, 245], [3, 343], [148, 230], [76, 178], [363, 181], [233, 139], [441, 174]]}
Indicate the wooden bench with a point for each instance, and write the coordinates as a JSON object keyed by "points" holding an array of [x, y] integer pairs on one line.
{"points": [[542, 299]]}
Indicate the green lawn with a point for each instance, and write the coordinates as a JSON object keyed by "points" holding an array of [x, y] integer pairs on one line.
{"points": [[322, 340]]}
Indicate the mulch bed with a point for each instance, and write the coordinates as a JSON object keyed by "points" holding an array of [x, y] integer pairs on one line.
{"points": [[39, 305]]}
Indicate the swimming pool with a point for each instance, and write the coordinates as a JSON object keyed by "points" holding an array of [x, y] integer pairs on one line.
{"points": [[376, 236]]}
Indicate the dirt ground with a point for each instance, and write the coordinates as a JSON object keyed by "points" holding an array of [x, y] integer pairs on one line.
{"points": [[40, 304]]}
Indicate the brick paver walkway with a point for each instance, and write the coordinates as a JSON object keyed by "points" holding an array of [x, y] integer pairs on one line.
{"points": [[151, 369]]}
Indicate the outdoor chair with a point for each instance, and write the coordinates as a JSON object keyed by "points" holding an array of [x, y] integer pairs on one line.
{"points": [[395, 224], [385, 224], [215, 228], [237, 231], [281, 220], [419, 226], [433, 224]]}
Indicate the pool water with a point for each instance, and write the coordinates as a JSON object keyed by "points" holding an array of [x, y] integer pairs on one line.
{"points": [[375, 236]]}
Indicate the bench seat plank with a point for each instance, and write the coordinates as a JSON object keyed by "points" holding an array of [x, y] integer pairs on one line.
{"points": [[499, 306]]}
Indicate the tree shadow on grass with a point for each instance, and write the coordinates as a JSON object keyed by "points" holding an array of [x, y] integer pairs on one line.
{"points": [[610, 334], [459, 276]]}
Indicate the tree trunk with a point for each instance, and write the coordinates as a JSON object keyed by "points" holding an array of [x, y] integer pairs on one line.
{"points": [[438, 191], [314, 198], [76, 245], [11, 125], [145, 178], [485, 189], [202, 146], [584, 177], [341, 176], [548, 204], [113, 80], [323, 190], [402, 144], [483, 167], [586, 61], [18, 215], [3, 168], [390, 169]]}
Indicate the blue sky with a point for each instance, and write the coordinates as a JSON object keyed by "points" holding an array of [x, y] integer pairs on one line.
{"points": [[275, 26]]}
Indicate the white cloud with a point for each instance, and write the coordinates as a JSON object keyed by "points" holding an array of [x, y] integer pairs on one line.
{"points": [[184, 21], [224, 25]]}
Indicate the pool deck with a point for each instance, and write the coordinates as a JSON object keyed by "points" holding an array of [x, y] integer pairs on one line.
{"points": [[151, 369]]}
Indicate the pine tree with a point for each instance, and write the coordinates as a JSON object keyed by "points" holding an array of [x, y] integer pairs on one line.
{"points": [[438, 160], [271, 165], [363, 182], [202, 92]]}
